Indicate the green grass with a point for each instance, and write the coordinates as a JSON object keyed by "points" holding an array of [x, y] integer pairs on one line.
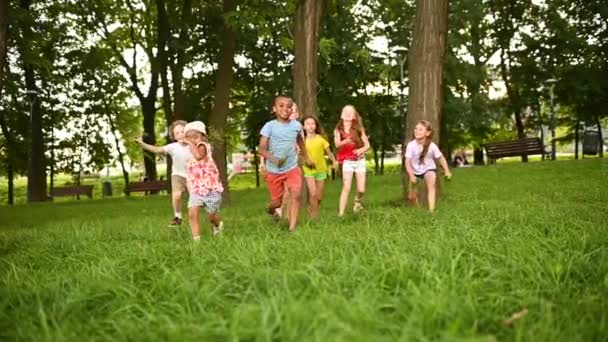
{"points": [[506, 237]]}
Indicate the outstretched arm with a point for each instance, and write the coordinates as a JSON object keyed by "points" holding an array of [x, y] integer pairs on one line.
{"points": [[148, 147]]}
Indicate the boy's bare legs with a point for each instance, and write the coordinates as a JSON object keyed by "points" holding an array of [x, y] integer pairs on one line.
{"points": [[294, 209], [176, 200], [430, 179], [347, 180], [195, 225]]}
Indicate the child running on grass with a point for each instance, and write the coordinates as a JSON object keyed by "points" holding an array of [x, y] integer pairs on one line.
{"points": [[278, 147], [204, 182], [180, 155], [420, 156], [316, 149], [352, 143]]}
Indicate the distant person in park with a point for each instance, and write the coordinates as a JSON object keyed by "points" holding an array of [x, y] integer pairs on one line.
{"points": [[315, 174], [460, 159], [180, 155], [352, 144], [278, 147], [420, 156], [204, 183]]}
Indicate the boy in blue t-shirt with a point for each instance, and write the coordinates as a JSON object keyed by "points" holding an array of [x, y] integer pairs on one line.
{"points": [[278, 147]]}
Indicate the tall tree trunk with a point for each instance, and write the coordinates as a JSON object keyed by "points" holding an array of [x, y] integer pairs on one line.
{"points": [[36, 169], [576, 139], [218, 119], [600, 137], [177, 68], [382, 155], [426, 61], [4, 12], [121, 156], [376, 163], [514, 103], [164, 31], [306, 41], [149, 113], [10, 161]]}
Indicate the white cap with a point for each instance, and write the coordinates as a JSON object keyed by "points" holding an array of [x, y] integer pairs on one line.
{"points": [[196, 126]]}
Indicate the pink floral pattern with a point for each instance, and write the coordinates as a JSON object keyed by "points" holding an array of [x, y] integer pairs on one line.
{"points": [[203, 175]]}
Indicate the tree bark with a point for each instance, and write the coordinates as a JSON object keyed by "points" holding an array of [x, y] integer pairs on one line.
{"points": [[149, 113], [600, 137], [218, 119], [10, 161], [426, 61], [36, 168], [576, 140], [306, 41], [4, 13], [177, 68]]}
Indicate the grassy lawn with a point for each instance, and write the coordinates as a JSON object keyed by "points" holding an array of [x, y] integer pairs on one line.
{"points": [[505, 238]]}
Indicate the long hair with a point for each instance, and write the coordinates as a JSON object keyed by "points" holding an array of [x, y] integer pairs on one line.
{"points": [[356, 129], [427, 140], [175, 124], [318, 128]]}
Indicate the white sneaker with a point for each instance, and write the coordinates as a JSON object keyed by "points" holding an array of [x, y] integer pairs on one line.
{"points": [[218, 229]]}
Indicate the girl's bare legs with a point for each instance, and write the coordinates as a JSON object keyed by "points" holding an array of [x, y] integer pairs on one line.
{"points": [[347, 180], [195, 225], [313, 201], [214, 219], [360, 187], [430, 179], [320, 187]]}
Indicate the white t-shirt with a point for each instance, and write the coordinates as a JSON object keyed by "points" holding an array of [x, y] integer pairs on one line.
{"points": [[413, 151], [181, 155]]}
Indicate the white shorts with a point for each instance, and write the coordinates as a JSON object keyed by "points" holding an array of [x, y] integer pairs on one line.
{"points": [[357, 166]]}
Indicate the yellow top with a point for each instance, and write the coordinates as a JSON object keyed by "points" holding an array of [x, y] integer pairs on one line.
{"points": [[315, 148]]}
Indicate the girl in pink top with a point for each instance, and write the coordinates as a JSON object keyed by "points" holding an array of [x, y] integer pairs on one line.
{"points": [[420, 156], [203, 179]]}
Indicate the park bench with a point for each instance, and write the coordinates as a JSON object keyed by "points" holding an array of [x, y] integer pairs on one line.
{"points": [[148, 186], [514, 148], [75, 190]]}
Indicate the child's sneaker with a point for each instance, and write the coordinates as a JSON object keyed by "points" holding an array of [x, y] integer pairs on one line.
{"points": [[176, 222], [357, 207], [218, 229]]}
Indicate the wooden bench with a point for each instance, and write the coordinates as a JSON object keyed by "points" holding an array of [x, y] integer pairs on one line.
{"points": [[148, 186], [514, 148], [76, 190]]}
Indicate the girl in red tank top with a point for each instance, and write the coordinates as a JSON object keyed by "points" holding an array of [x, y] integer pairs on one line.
{"points": [[351, 143]]}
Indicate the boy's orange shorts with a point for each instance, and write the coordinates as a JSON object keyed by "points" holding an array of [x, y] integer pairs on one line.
{"points": [[278, 182]]}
